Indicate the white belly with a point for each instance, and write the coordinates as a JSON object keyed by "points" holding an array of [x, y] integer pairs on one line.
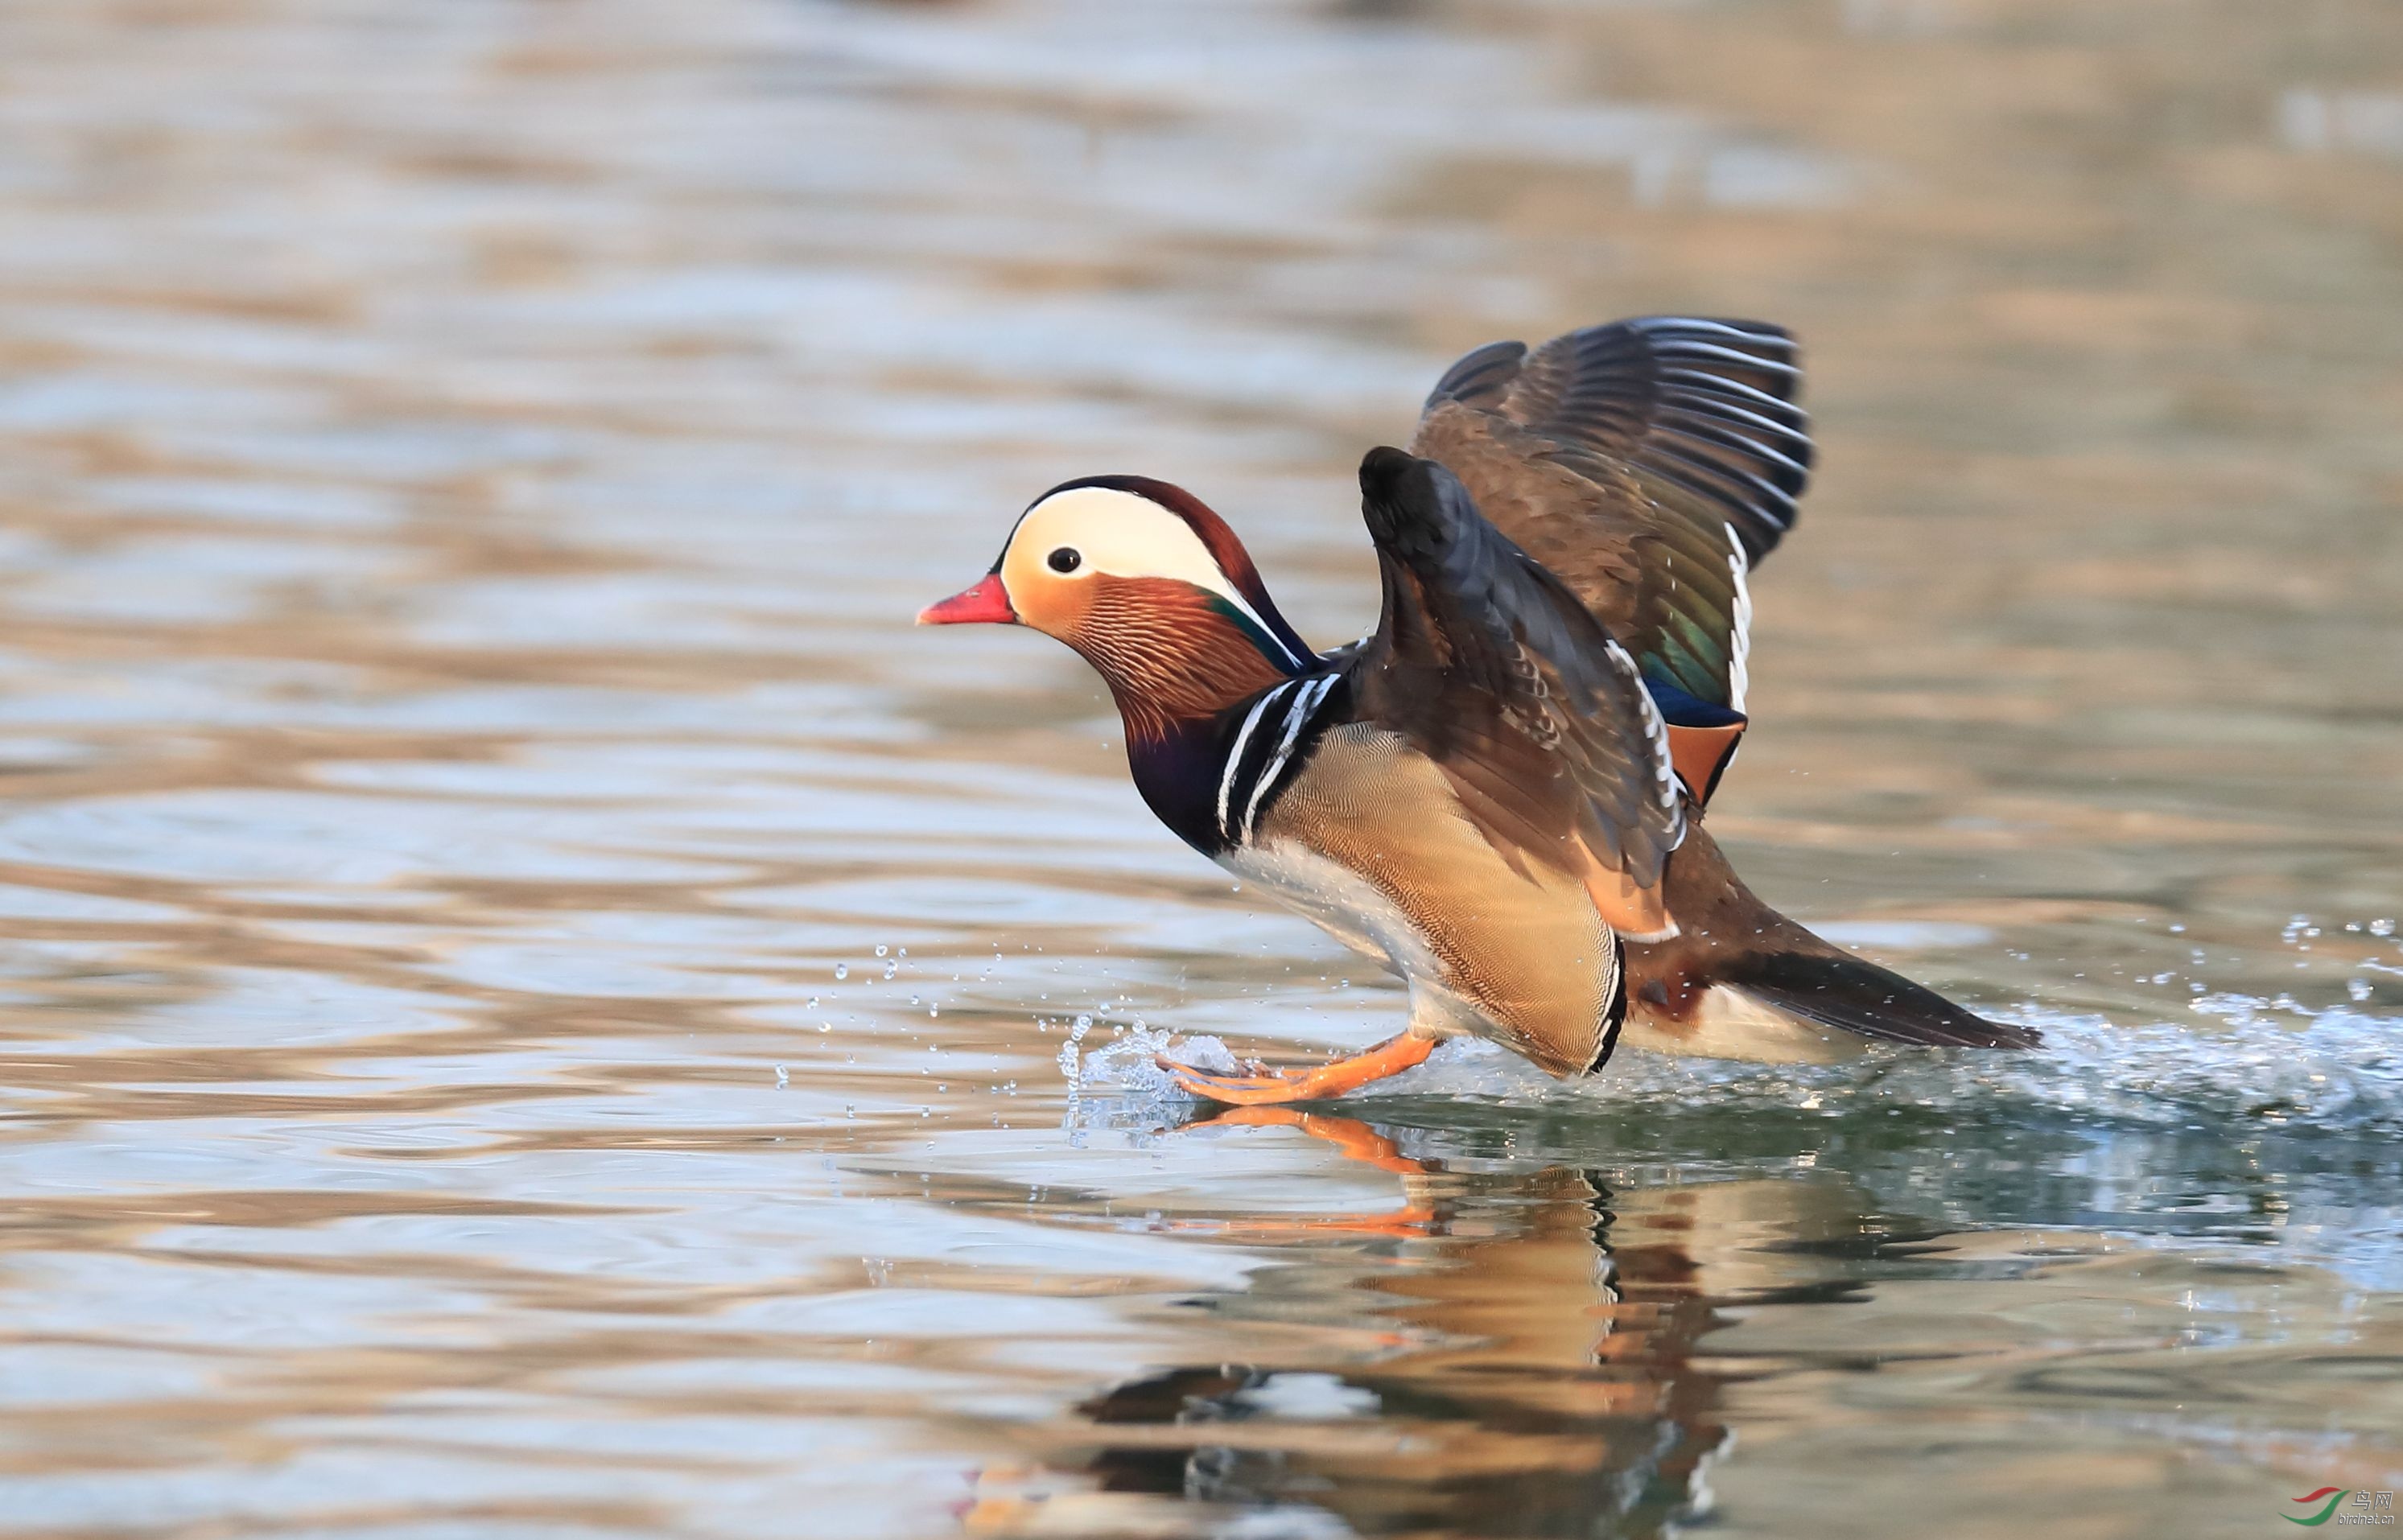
{"points": [[1349, 908], [1339, 901]]}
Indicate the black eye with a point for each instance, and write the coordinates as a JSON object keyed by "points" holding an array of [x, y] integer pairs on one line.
{"points": [[1064, 560]]}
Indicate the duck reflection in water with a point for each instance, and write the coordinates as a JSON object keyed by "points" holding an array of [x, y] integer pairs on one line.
{"points": [[1527, 1361]]}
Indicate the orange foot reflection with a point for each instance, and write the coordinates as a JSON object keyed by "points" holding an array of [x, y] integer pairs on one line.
{"points": [[1271, 1087], [1356, 1140]]}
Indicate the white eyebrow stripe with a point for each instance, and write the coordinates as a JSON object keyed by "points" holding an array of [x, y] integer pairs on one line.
{"points": [[1305, 706], [1127, 534], [1235, 755]]}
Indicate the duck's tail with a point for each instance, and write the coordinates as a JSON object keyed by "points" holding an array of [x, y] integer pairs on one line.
{"points": [[1836, 989], [1731, 941]]}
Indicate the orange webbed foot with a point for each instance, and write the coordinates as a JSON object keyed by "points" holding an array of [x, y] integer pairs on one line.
{"points": [[1271, 1088]]}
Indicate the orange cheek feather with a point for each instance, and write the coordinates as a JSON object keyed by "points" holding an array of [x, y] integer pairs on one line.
{"points": [[1164, 645], [1053, 608]]}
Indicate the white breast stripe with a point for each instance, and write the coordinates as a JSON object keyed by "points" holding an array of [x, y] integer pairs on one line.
{"points": [[1235, 755], [1305, 705], [1740, 631]]}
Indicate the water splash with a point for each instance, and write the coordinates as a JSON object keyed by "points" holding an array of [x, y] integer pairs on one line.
{"points": [[2260, 1129], [1127, 1066], [2339, 1070]]}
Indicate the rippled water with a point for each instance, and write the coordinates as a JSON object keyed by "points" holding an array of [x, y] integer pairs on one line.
{"points": [[538, 1005]]}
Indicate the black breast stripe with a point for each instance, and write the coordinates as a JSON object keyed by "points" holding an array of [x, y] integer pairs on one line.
{"points": [[1297, 718]]}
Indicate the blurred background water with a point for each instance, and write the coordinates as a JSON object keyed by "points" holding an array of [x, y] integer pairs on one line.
{"points": [[537, 1005]]}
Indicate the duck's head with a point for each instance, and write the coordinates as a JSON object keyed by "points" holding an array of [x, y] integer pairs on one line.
{"points": [[1150, 586]]}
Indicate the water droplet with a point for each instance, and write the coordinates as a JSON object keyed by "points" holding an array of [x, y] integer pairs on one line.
{"points": [[843, 970], [881, 949]]}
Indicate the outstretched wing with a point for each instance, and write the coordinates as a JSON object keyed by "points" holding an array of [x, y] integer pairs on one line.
{"points": [[1648, 464], [1539, 720]]}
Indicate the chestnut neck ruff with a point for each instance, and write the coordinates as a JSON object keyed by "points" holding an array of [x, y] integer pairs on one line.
{"points": [[1172, 654]]}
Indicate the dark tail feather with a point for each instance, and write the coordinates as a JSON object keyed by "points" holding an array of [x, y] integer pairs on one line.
{"points": [[1845, 991]]}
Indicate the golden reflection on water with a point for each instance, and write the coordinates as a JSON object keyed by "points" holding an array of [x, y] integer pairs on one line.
{"points": [[530, 997], [1532, 1372], [1541, 1351]]}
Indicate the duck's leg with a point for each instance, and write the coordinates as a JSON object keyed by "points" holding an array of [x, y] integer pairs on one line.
{"points": [[1390, 1057]]}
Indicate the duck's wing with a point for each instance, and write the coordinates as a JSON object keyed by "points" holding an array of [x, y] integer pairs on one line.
{"points": [[1487, 664], [1648, 464]]}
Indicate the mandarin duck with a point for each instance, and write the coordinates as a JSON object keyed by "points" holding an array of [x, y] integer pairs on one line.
{"points": [[1499, 794]]}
